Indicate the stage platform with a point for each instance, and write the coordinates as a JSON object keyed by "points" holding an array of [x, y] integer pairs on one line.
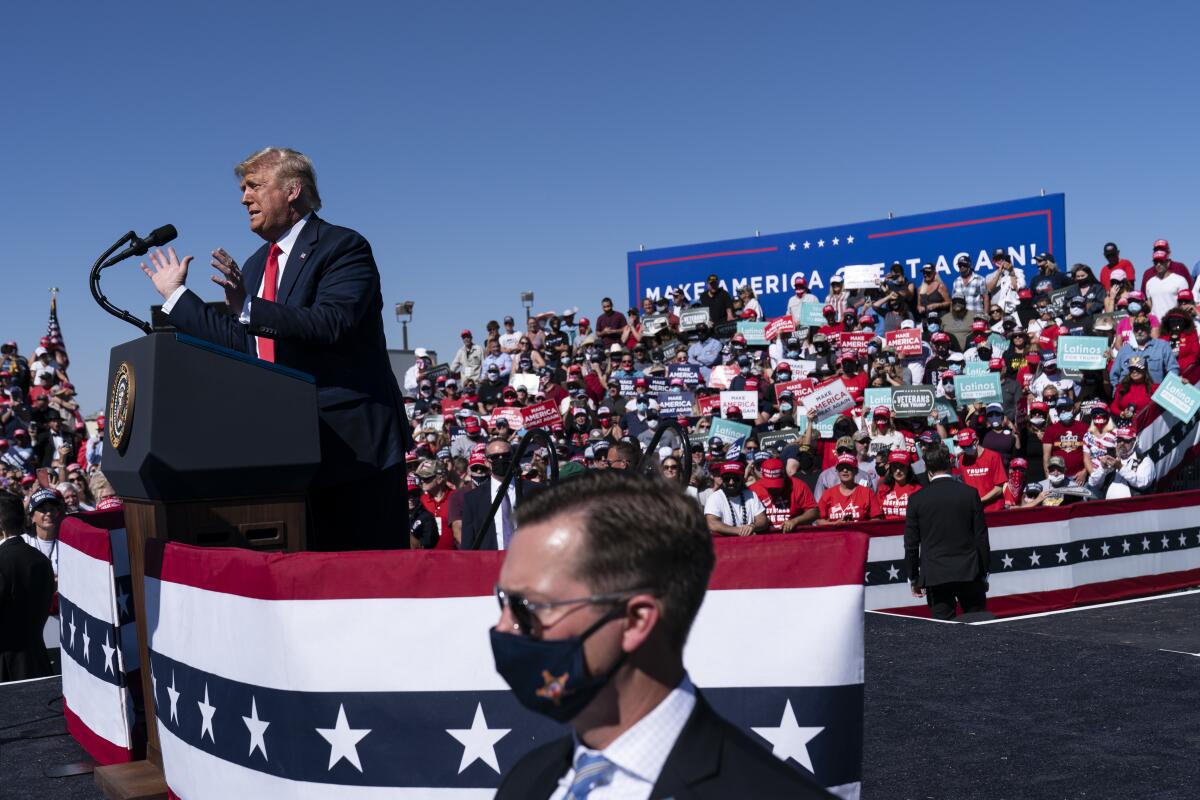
{"points": [[1091, 703]]}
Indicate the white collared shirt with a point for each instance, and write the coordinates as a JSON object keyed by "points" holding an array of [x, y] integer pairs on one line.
{"points": [[498, 521], [640, 752]]}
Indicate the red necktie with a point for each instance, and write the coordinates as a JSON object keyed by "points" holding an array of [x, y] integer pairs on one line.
{"points": [[266, 347]]}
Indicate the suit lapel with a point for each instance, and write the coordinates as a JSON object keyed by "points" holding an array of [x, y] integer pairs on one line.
{"points": [[298, 259], [695, 756]]}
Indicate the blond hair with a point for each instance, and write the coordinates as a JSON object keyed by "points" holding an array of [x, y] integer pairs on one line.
{"points": [[289, 166]]}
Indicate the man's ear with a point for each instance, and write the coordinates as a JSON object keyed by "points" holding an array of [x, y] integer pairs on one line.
{"points": [[643, 617]]}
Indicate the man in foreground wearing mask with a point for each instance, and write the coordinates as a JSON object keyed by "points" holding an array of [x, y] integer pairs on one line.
{"points": [[597, 596]]}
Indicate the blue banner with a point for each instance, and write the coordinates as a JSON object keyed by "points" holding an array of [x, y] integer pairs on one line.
{"points": [[769, 263]]}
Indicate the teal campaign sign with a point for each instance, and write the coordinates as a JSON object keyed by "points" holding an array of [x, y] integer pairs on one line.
{"points": [[825, 427], [977, 389], [1082, 352], [975, 368], [873, 397], [755, 332], [998, 343], [944, 410], [729, 432], [1179, 398], [810, 314]]}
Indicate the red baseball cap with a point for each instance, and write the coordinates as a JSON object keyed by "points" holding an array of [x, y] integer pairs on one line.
{"points": [[1162, 244], [799, 281], [733, 468], [979, 325], [640, 382], [1018, 463], [898, 457], [939, 337], [472, 425], [734, 410], [1039, 406], [965, 437], [996, 363], [465, 332], [413, 483], [882, 411], [1185, 296], [477, 460], [828, 310], [584, 321], [749, 313], [1033, 358], [1125, 432], [771, 474], [847, 460]]}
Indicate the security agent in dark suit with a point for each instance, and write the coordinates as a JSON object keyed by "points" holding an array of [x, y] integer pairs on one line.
{"points": [[310, 299], [598, 592], [26, 591], [946, 542], [499, 532]]}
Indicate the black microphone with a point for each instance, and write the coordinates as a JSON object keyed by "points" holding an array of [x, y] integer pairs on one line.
{"points": [[156, 238]]}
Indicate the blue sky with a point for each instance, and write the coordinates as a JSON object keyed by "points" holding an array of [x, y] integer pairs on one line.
{"points": [[490, 148]]}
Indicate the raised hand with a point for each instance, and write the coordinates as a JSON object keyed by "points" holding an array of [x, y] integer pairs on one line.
{"points": [[169, 272], [230, 278]]}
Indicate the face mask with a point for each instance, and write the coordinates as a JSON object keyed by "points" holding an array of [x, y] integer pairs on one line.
{"points": [[731, 488], [970, 451], [652, 423], [501, 465], [996, 422], [1076, 311], [479, 480], [1057, 480], [881, 469], [785, 407], [1135, 308], [549, 676], [1065, 417], [793, 353], [806, 461], [934, 327]]}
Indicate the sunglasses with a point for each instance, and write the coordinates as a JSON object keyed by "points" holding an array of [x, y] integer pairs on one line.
{"points": [[524, 611], [670, 466]]}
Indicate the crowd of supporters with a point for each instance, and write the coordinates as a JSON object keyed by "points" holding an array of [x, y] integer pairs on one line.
{"points": [[602, 388]]}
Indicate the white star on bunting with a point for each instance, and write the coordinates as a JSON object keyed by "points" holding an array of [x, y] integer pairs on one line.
{"points": [[1034, 558], [343, 740], [893, 573], [87, 642], [173, 694], [820, 242], [849, 240], [790, 740], [478, 741], [1124, 546], [206, 716], [1007, 561], [258, 727], [108, 654], [71, 625], [1062, 556], [836, 241], [1084, 551], [1104, 549], [123, 602], [1145, 543], [792, 246], [1183, 540], [807, 245], [1165, 542]]}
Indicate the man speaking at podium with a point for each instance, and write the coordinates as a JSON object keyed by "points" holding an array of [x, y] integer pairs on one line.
{"points": [[310, 299]]}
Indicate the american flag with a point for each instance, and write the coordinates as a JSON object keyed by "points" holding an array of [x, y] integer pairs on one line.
{"points": [[363, 675], [53, 330]]}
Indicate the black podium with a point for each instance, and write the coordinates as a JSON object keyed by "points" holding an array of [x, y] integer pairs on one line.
{"points": [[205, 446]]}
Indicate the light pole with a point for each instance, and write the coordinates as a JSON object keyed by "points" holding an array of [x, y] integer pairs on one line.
{"points": [[404, 309], [527, 301]]}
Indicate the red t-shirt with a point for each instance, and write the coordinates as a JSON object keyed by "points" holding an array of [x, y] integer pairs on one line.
{"points": [[1066, 441], [860, 504], [1123, 264], [795, 503], [441, 513], [985, 472], [1138, 396], [856, 385], [893, 500]]}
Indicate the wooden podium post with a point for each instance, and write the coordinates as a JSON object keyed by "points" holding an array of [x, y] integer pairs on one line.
{"points": [[196, 463]]}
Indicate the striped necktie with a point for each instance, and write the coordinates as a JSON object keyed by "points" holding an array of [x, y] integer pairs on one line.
{"points": [[591, 770]]}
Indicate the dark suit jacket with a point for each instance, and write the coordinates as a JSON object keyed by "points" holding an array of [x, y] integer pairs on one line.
{"points": [[326, 321], [26, 591], [711, 759], [475, 509], [945, 535]]}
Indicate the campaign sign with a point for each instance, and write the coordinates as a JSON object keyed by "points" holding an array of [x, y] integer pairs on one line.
{"points": [[721, 375], [689, 372], [861, 276], [945, 411], [725, 329], [777, 326], [780, 438], [654, 383], [905, 342], [876, 396], [1059, 298], [829, 398], [998, 343], [433, 373], [770, 263], [799, 388], [671, 348], [541, 415], [912, 401], [731, 433], [675, 404], [811, 314], [1179, 398], [708, 404], [654, 323], [977, 389], [976, 368], [1082, 352], [530, 381], [433, 422], [692, 318], [824, 427], [747, 402], [755, 333], [855, 342], [511, 414]]}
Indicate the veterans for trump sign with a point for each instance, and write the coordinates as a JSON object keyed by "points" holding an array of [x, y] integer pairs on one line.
{"points": [[912, 401]]}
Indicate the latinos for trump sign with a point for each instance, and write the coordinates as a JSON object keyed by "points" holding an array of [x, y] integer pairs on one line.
{"points": [[768, 264], [1179, 398], [1082, 352], [977, 389], [304, 676]]}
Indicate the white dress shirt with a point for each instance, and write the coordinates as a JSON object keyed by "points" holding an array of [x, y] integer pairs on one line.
{"points": [[285, 242], [512, 502], [640, 752]]}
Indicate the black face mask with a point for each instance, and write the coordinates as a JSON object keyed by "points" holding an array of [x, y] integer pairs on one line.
{"points": [[731, 488], [806, 461], [501, 465]]}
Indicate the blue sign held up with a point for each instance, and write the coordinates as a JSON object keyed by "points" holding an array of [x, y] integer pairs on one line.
{"points": [[769, 263]]}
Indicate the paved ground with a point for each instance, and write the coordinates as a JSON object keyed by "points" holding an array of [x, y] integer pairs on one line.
{"points": [[1079, 705]]}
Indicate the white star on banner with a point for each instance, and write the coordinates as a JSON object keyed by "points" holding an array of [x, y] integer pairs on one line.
{"points": [[343, 740], [206, 715], [792, 246], [123, 602], [849, 240], [108, 654], [1062, 556], [1183, 540], [1034, 558], [173, 694], [1145, 543], [1165, 542], [1104, 549], [836, 241], [71, 625], [154, 686], [820, 242], [87, 642], [1084, 551], [1124, 546], [893, 573], [790, 740], [478, 741], [258, 727], [1007, 561], [807, 245], [867, 576]]}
